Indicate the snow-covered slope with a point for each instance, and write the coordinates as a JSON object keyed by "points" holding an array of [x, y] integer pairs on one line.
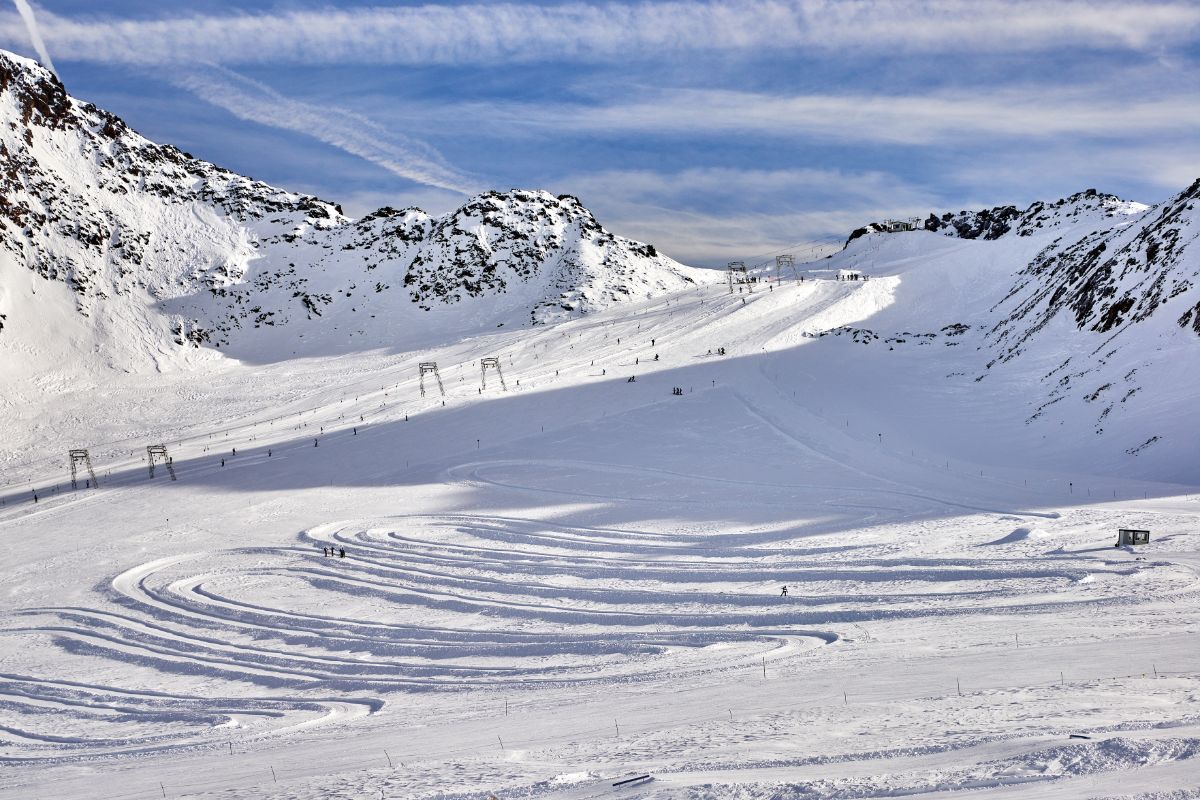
{"points": [[1089, 304], [137, 253], [577, 579]]}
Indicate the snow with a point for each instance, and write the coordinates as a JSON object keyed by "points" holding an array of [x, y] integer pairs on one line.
{"points": [[551, 589], [607, 556]]}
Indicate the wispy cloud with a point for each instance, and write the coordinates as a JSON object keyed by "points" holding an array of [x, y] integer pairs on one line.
{"points": [[507, 32], [27, 16], [1013, 112], [705, 216], [345, 130]]}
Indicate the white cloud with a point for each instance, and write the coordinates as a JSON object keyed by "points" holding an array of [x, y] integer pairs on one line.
{"points": [[1153, 172], [1016, 112], [707, 216], [574, 31], [349, 132]]}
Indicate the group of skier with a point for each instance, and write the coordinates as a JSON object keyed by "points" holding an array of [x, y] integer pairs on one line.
{"points": [[339, 552]]}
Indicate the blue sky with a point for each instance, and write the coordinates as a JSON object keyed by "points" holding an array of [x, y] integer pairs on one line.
{"points": [[715, 130]]}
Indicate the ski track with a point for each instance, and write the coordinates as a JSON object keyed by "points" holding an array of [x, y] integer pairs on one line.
{"points": [[432, 604], [503, 601]]}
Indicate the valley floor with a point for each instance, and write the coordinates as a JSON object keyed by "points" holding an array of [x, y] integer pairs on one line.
{"points": [[553, 588]]}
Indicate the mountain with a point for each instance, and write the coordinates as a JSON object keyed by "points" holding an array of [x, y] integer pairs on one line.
{"points": [[139, 255], [1085, 310], [1086, 207]]}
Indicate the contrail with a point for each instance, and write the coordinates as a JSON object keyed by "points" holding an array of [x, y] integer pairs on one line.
{"points": [[401, 155], [26, 12]]}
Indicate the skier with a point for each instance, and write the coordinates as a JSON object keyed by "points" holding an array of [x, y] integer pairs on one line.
{"points": [[325, 551], [784, 592], [222, 462], [316, 443], [342, 552], [268, 452], [235, 451]]}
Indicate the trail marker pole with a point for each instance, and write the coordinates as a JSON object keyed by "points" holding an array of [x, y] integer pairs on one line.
{"points": [[845, 699], [764, 667], [273, 775], [231, 748], [501, 741], [959, 684], [618, 728], [389, 759]]}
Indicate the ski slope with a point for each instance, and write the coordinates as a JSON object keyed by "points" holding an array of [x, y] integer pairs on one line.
{"points": [[552, 588]]}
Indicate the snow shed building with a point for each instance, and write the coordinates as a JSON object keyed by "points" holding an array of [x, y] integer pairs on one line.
{"points": [[1132, 536]]}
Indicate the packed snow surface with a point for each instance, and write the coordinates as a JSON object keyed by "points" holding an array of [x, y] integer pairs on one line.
{"points": [[576, 580]]}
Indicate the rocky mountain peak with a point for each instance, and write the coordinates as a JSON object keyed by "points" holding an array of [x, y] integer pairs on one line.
{"points": [[163, 250]]}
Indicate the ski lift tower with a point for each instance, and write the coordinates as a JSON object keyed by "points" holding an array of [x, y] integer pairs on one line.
{"points": [[78, 458], [738, 275], [785, 261], [431, 368], [158, 452], [491, 362]]}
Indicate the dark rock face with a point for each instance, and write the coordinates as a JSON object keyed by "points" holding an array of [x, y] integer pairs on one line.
{"points": [[1109, 279], [993, 223]]}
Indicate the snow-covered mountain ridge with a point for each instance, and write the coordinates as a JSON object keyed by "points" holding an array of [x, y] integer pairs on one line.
{"points": [[1104, 261], [1088, 207], [1090, 303], [162, 252]]}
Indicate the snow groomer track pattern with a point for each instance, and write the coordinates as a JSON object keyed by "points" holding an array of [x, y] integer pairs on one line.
{"points": [[290, 638]]}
